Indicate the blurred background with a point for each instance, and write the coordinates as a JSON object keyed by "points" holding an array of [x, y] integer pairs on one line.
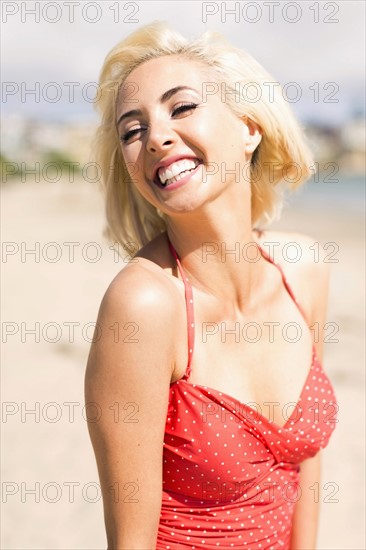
{"points": [[56, 265]]}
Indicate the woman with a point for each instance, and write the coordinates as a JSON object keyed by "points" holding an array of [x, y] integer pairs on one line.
{"points": [[211, 419]]}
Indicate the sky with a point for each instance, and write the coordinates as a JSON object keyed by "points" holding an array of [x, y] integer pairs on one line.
{"points": [[318, 45]]}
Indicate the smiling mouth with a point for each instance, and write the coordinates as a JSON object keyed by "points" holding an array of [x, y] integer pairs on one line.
{"points": [[176, 171]]}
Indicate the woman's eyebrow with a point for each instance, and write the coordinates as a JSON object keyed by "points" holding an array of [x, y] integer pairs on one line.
{"points": [[163, 99]]}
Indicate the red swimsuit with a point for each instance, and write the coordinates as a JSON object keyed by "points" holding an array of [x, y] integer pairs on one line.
{"points": [[230, 475]]}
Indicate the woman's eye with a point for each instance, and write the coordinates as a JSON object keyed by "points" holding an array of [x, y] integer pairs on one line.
{"points": [[185, 107], [130, 134]]}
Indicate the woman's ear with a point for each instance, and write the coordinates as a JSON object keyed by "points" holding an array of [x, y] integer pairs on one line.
{"points": [[252, 135]]}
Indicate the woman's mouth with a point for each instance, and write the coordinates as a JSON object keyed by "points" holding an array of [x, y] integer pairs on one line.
{"points": [[177, 173]]}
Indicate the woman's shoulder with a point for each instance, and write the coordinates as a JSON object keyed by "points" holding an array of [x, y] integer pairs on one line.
{"points": [[297, 251], [144, 281], [303, 261]]}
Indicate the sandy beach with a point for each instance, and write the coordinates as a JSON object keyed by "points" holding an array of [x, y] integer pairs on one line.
{"points": [[50, 299]]}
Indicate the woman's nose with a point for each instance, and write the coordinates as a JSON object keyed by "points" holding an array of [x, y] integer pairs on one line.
{"points": [[160, 136]]}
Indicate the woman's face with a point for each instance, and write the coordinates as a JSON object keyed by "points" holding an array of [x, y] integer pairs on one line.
{"points": [[173, 119]]}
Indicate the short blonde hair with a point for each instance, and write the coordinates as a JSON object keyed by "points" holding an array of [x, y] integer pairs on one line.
{"points": [[281, 157]]}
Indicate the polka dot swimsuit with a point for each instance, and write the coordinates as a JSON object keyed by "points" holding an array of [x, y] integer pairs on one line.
{"points": [[230, 474]]}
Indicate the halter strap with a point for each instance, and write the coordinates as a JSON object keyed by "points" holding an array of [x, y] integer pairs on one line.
{"points": [[190, 311]]}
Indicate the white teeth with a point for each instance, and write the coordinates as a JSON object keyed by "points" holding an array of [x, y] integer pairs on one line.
{"points": [[176, 178], [166, 174]]}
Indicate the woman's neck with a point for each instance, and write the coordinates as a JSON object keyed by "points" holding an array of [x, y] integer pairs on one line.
{"points": [[226, 264]]}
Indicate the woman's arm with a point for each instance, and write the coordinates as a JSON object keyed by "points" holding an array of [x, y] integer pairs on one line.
{"points": [[306, 514], [127, 378]]}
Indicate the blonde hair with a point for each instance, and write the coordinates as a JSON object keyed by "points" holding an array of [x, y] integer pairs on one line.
{"points": [[281, 157]]}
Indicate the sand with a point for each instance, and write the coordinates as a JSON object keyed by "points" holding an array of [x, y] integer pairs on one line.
{"points": [[47, 453]]}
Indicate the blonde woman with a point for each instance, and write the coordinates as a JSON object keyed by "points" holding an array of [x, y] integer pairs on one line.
{"points": [[213, 412]]}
